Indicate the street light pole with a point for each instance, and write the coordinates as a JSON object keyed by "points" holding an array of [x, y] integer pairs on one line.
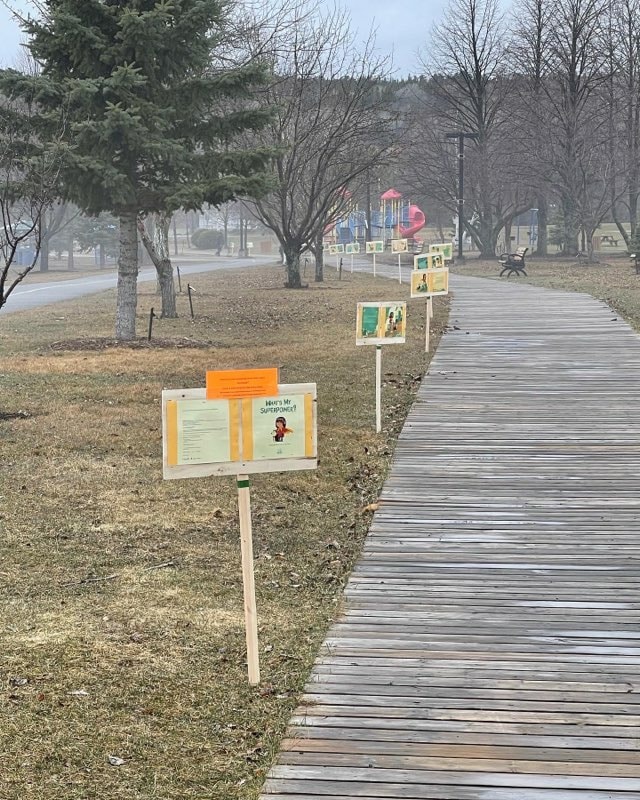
{"points": [[461, 136]]}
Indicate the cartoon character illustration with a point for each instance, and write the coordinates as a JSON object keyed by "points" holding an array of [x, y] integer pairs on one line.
{"points": [[281, 429], [391, 326], [393, 322], [423, 286]]}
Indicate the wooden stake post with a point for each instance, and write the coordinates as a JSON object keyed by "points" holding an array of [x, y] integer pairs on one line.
{"points": [[248, 579], [378, 388], [429, 317]]}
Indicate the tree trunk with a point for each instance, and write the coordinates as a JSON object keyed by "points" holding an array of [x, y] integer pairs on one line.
{"points": [[158, 250], [292, 255], [571, 228], [488, 238], [633, 208], [175, 236], [589, 241], [70, 261], [542, 247], [44, 253], [507, 236], [319, 254], [127, 278]]}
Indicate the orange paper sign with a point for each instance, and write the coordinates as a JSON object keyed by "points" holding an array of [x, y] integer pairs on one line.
{"points": [[234, 384]]}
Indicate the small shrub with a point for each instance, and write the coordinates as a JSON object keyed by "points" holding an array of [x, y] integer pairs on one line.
{"points": [[195, 236], [205, 239]]}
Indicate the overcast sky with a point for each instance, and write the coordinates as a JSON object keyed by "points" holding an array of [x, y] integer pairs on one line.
{"points": [[402, 28]]}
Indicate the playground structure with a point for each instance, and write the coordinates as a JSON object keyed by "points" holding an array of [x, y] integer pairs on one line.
{"points": [[396, 218]]}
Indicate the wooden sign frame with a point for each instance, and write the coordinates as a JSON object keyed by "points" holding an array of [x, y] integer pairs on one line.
{"points": [[383, 310], [429, 278], [231, 419]]}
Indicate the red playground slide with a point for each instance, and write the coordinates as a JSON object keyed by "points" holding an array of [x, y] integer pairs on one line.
{"points": [[417, 220]]}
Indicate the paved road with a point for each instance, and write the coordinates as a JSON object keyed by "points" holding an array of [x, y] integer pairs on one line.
{"points": [[30, 296]]}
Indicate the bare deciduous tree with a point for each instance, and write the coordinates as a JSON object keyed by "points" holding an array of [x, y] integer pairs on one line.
{"points": [[467, 92], [576, 71], [29, 173], [330, 126], [625, 54]]}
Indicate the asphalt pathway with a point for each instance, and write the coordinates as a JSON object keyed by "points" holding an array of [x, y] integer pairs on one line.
{"points": [[30, 296]]}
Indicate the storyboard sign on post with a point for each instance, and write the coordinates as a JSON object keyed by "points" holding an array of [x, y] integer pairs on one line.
{"points": [[336, 249], [429, 282], [373, 247], [239, 436], [381, 323], [428, 261], [444, 248], [399, 245], [352, 249]]}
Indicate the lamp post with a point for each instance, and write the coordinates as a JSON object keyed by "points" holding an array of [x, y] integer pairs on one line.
{"points": [[532, 229], [461, 136]]}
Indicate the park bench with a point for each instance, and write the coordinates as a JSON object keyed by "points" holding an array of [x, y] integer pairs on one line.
{"points": [[514, 262], [606, 239]]}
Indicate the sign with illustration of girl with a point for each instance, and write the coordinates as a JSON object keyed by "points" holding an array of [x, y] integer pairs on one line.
{"points": [[429, 282]]}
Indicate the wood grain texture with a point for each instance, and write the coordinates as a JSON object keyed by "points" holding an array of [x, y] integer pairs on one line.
{"points": [[489, 646]]}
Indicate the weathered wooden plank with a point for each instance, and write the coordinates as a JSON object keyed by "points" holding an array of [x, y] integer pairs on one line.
{"points": [[535, 746], [460, 778], [320, 790], [378, 757], [321, 718]]}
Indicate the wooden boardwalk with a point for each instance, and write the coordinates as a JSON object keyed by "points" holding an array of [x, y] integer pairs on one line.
{"points": [[490, 643]]}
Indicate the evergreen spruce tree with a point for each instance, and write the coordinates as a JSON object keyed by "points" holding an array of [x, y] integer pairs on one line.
{"points": [[150, 119]]}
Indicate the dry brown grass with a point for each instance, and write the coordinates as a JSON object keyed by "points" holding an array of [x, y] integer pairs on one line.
{"points": [[613, 281], [103, 651]]}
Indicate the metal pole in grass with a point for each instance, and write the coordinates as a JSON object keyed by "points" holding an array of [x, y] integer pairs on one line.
{"points": [[399, 268], [191, 290], [248, 580], [152, 316], [378, 388], [461, 136], [179, 281]]}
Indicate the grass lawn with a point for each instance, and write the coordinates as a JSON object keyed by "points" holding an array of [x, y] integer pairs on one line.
{"points": [[614, 281], [121, 594]]}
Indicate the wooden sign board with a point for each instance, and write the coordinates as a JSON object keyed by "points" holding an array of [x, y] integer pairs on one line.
{"points": [[230, 384], [399, 245], [373, 247], [336, 249], [429, 282], [202, 437], [428, 261], [444, 248], [352, 249], [381, 323]]}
